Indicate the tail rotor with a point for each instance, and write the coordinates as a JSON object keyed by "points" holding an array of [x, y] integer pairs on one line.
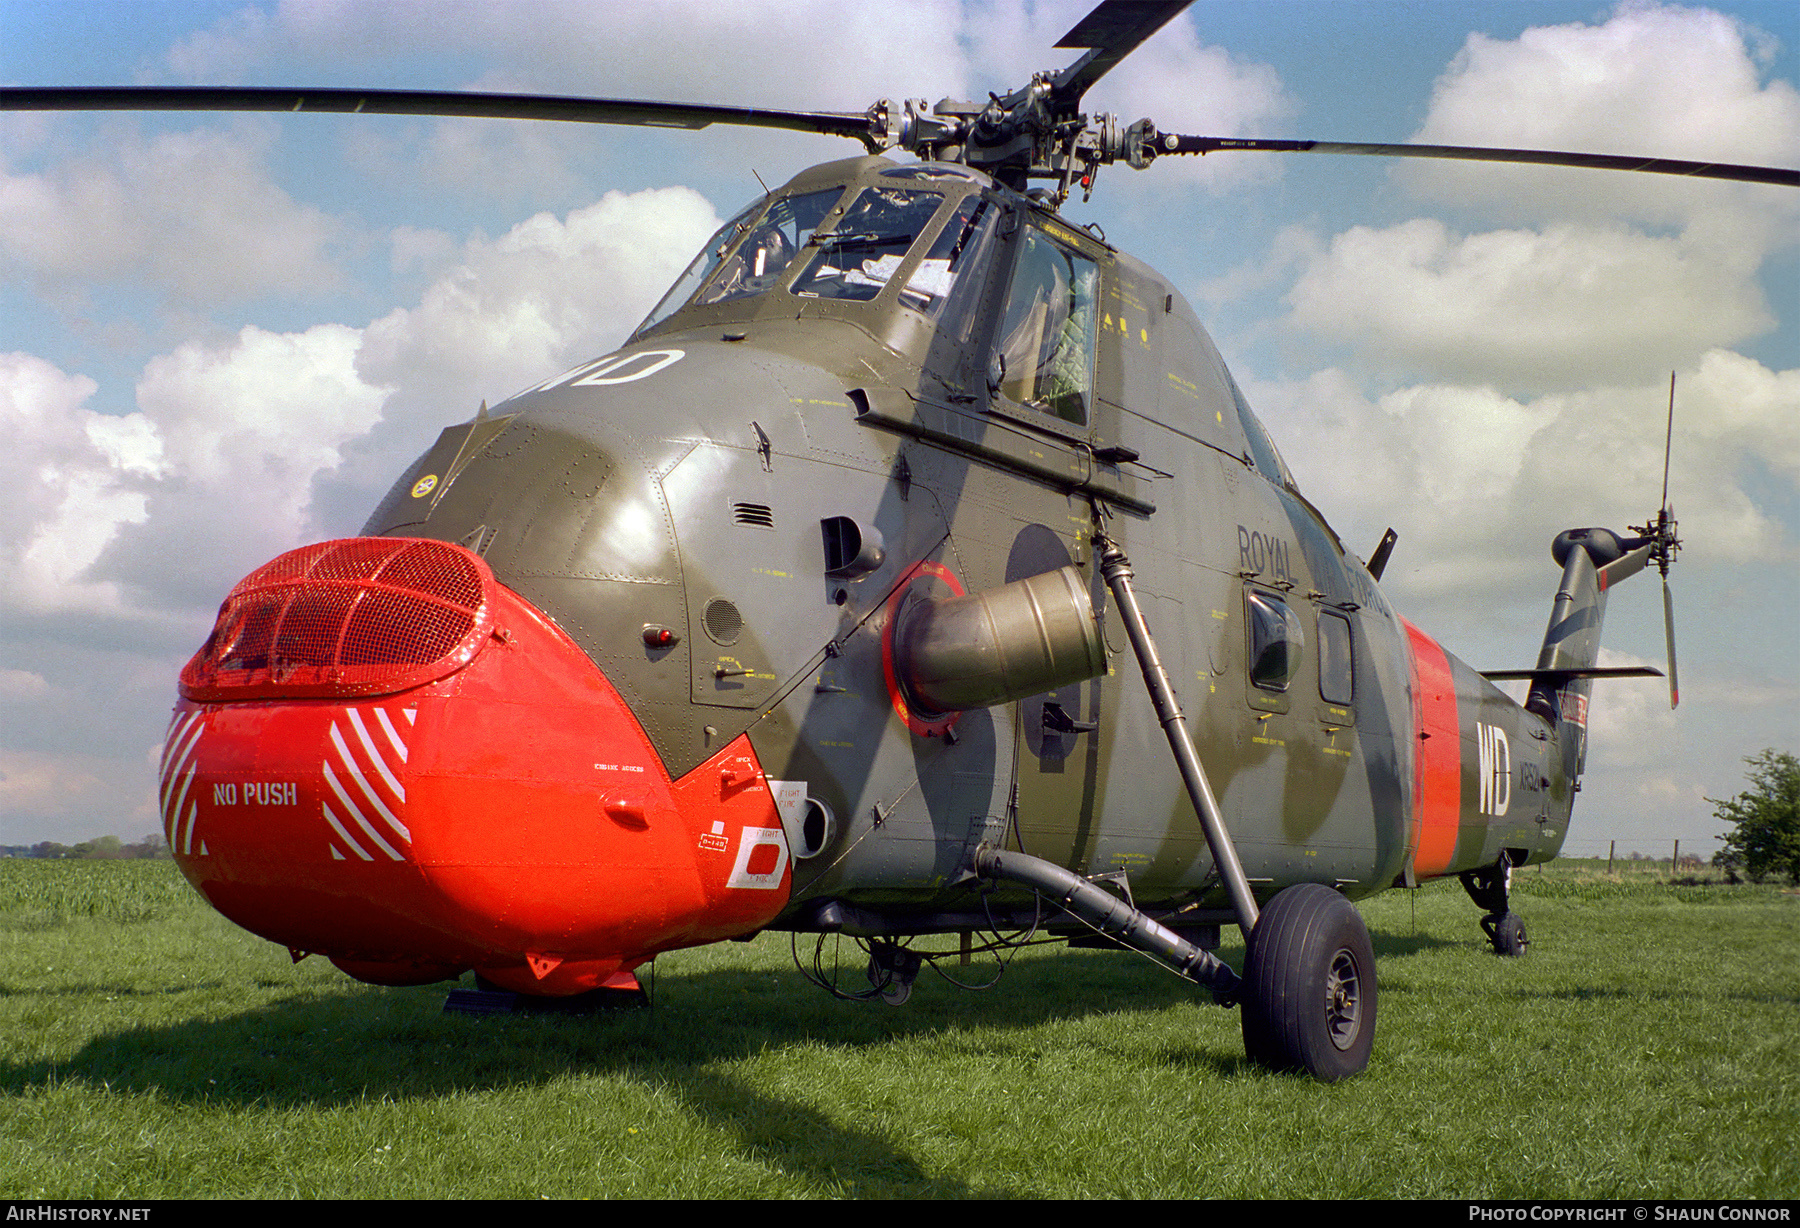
{"points": [[1660, 535]]}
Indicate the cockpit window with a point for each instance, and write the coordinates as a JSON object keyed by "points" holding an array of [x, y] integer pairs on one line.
{"points": [[858, 256], [1047, 334], [766, 251], [702, 267], [934, 170], [961, 244], [765, 243]]}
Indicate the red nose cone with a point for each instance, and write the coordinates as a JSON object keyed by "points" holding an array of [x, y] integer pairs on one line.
{"points": [[384, 756]]}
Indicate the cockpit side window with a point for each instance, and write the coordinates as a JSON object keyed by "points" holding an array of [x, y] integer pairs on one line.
{"points": [[857, 257], [769, 248], [1047, 332]]}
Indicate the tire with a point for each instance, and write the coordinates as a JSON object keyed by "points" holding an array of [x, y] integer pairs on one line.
{"points": [[1309, 986], [1509, 936]]}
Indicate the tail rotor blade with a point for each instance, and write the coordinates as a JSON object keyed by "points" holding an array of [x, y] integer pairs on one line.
{"points": [[1669, 638], [1668, 445], [1668, 543]]}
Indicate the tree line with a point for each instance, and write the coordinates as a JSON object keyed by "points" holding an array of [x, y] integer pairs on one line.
{"points": [[102, 848]]}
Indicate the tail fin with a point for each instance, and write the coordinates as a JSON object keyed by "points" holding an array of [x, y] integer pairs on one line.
{"points": [[1593, 561]]}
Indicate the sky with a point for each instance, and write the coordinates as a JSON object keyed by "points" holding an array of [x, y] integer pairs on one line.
{"points": [[223, 337]]}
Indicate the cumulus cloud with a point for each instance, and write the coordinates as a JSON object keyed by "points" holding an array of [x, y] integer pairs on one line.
{"points": [[1563, 306], [246, 427], [602, 49], [1600, 277], [17, 684], [194, 214], [1484, 472], [1653, 79], [81, 793], [1630, 722], [73, 479], [506, 314], [549, 292]]}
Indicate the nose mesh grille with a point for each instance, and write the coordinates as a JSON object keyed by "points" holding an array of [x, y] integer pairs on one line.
{"points": [[359, 616]]}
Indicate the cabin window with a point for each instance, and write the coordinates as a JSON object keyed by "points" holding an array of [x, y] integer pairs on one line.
{"points": [[1276, 640], [1047, 332], [857, 257], [769, 247], [1336, 666]]}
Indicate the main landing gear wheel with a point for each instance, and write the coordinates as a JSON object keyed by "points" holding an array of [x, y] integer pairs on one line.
{"points": [[1309, 986]]}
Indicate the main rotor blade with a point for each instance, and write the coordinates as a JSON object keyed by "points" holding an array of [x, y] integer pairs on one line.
{"points": [[429, 102], [1168, 143], [1114, 30]]}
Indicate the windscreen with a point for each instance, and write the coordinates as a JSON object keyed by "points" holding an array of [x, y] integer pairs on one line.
{"points": [[701, 268], [864, 250], [769, 247], [747, 255]]}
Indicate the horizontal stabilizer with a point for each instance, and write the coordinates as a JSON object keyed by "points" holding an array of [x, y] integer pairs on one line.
{"points": [[1627, 566], [1557, 677]]}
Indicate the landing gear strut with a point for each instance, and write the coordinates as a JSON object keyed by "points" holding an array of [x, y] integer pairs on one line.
{"points": [[1488, 888], [892, 971], [1308, 990]]}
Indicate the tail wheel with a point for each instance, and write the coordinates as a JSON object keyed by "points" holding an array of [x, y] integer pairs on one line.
{"points": [[1509, 935], [1309, 986]]}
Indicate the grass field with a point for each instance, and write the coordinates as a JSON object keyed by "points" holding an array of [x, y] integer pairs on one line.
{"points": [[1647, 1047]]}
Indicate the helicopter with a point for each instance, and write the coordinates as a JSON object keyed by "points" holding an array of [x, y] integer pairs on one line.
{"points": [[817, 607]]}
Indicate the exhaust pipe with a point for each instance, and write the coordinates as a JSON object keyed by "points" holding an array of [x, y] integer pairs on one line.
{"points": [[993, 647], [1112, 916]]}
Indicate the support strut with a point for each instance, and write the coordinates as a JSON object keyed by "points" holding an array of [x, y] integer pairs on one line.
{"points": [[1116, 569]]}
